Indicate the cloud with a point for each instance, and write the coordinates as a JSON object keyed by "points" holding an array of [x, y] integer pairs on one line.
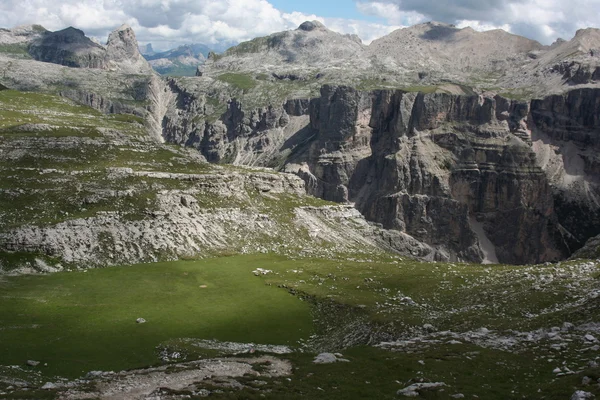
{"points": [[543, 20], [168, 23], [390, 12]]}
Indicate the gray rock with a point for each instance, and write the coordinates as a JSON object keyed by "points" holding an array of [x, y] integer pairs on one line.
{"points": [[50, 386], [581, 395], [140, 321], [415, 389], [567, 326], [590, 338], [32, 363], [325, 358]]}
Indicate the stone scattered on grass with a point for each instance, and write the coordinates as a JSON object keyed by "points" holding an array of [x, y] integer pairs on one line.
{"points": [[32, 363], [49, 386], [140, 321], [329, 358], [590, 338], [414, 389], [261, 271], [581, 395]]}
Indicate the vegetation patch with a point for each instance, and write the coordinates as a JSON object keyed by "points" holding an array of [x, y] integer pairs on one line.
{"points": [[81, 321], [242, 82]]}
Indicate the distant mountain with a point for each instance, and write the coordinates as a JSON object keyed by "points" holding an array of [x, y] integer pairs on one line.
{"points": [[296, 54], [70, 47], [181, 61], [147, 50]]}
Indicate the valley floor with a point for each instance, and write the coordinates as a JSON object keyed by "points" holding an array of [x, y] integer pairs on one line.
{"points": [[250, 327]]}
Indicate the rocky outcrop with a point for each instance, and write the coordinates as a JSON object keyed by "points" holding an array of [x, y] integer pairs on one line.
{"points": [[471, 177], [68, 47], [591, 249], [456, 173], [122, 52], [239, 135], [150, 100], [577, 73]]}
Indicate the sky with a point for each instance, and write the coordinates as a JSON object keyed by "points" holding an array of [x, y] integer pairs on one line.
{"points": [[221, 23]]}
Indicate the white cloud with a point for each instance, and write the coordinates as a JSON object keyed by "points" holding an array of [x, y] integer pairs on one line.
{"points": [[365, 30], [390, 12], [543, 20], [167, 23], [481, 26]]}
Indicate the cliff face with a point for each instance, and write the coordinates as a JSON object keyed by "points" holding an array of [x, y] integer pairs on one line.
{"points": [[565, 129], [340, 135], [478, 178], [454, 172]]}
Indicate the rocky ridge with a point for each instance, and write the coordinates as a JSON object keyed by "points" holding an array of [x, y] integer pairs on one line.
{"points": [[399, 155], [70, 47]]}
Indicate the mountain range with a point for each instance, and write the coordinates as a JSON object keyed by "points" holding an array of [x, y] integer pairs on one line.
{"points": [[306, 216], [181, 61], [431, 117]]}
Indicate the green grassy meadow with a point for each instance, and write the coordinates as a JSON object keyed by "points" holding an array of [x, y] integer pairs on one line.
{"points": [[81, 321]]}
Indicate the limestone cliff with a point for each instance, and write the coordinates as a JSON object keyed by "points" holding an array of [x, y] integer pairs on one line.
{"points": [[565, 129], [442, 163], [461, 174]]}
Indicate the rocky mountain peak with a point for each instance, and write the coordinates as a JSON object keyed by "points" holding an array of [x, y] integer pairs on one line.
{"points": [[147, 49], [69, 36], [311, 26], [122, 43], [68, 47], [588, 39], [122, 51]]}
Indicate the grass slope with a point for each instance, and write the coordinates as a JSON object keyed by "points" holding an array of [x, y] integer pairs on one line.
{"points": [[82, 321]]}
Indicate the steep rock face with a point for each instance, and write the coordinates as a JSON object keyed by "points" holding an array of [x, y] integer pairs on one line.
{"points": [[255, 136], [149, 100], [565, 129], [438, 166], [68, 47], [339, 125], [456, 173], [240, 132], [122, 51]]}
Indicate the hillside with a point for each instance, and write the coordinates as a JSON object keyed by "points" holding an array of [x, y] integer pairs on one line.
{"points": [[308, 217]]}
